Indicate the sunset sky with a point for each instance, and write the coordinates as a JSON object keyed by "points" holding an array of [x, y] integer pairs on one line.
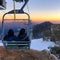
{"points": [[39, 10]]}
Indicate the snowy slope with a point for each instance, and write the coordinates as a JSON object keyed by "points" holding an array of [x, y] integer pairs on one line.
{"points": [[38, 44], [1, 44]]}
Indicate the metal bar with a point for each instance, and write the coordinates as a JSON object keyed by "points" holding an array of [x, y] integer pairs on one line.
{"points": [[26, 1], [16, 41], [16, 19], [14, 11], [16, 44], [3, 26]]}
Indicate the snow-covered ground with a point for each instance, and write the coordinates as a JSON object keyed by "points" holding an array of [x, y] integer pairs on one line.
{"points": [[38, 44], [1, 44]]}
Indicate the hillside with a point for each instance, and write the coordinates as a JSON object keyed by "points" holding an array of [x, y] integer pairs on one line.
{"points": [[42, 29], [25, 55]]}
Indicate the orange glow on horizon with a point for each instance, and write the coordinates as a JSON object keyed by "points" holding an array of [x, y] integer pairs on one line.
{"points": [[37, 18]]}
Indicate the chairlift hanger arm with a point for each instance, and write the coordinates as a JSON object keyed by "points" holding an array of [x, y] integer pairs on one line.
{"points": [[20, 0], [25, 2]]}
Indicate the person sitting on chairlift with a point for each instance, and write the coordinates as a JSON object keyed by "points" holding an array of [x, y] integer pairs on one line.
{"points": [[10, 36], [23, 35]]}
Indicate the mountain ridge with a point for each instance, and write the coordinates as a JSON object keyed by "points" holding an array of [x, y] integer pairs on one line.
{"points": [[40, 28]]}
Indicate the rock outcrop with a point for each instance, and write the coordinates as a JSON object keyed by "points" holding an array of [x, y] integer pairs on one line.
{"points": [[25, 55]]}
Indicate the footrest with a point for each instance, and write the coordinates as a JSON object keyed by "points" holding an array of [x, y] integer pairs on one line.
{"points": [[16, 44]]}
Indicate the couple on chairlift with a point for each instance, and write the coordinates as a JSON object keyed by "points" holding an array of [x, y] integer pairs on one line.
{"points": [[21, 36]]}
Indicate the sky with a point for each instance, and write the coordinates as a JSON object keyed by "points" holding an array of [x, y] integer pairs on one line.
{"points": [[39, 10]]}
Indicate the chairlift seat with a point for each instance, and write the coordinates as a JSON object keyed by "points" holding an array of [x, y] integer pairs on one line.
{"points": [[16, 44]]}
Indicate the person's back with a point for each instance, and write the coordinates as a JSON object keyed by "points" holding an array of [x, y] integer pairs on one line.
{"points": [[10, 36], [23, 35]]}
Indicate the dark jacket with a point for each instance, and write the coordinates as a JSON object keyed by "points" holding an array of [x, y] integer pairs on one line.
{"points": [[23, 37], [11, 38]]}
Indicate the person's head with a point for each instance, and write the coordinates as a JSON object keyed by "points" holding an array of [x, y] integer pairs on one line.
{"points": [[22, 31], [10, 32]]}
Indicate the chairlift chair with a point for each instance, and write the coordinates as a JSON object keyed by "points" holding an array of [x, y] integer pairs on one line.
{"points": [[14, 44], [17, 44]]}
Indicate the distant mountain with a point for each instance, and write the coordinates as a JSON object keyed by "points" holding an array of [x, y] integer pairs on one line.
{"points": [[40, 28]]}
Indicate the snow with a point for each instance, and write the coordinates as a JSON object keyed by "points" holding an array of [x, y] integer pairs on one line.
{"points": [[38, 44], [1, 44]]}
